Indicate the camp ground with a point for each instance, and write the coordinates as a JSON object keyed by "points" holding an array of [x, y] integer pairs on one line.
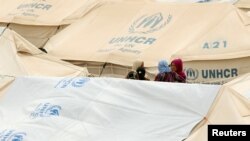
{"points": [[20, 58], [108, 43], [38, 20]]}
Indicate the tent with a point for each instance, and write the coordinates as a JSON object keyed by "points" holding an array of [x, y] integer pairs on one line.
{"points": [[148, 32], [198, 1], [5, 82], [104, 109], [222, 53], [38, 20], [19, 57], [243, 4], [231, 107]]}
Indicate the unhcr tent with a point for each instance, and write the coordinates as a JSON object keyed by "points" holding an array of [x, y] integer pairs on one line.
{"points": [[38, 20], [18, 57], [107, 109], [231, 107], [148, 32], [222, 53]]}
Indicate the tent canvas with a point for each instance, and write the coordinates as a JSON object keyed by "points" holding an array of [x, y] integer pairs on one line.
{"points": [[148, 32], [231, 107], [5, 82], [19, 57], [102, 108], [222, 53], [38, 20], [243, 4]]}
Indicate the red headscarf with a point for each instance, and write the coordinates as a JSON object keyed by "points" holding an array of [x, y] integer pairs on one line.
{"points": [[179, 67]]}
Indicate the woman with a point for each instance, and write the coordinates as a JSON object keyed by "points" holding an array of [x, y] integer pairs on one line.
{"points": [[132, 74], [177, 66], [165, 74]]}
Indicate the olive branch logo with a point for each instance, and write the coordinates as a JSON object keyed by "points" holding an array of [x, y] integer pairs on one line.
{"points": [[148, 24]]}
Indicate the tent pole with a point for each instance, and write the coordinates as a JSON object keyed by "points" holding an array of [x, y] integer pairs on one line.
{"points": [[103, 67]]}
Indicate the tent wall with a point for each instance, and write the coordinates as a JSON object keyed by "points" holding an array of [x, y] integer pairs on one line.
{"points": [[98, 69], [37, 35], [216, 71]]}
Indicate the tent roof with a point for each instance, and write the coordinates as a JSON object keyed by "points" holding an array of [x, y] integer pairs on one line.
{"points": [[228, 38], [149, 32], [44, 12], [19, 57]]}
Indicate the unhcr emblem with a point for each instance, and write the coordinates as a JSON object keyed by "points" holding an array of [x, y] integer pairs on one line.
{"points": [[148, 24], [192, 74], [76, 82], [12, 135], [46, 110]]}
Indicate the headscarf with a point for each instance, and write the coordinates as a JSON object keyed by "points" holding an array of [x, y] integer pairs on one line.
{"points": [[163, 66], [137, 64], [179, 67]]}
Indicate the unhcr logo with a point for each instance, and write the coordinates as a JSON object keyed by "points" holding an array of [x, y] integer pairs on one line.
{"points": [[203, 1], [12, 135], [148, 24], [36, 4], [192, 74], [76, 82], [46, 110], [79, 82]]}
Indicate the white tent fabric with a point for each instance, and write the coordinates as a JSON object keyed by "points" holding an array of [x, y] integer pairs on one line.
{"points": [[18, 57], [95, 109], [38, 20]]}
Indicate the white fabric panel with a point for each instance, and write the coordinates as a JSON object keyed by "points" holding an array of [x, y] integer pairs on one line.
{"points": [[106, 109], [247, 95]]}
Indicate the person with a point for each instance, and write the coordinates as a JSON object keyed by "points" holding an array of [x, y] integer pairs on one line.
{"points": [[133, 74], [141, 73], [177, 66], [166, 75]]}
